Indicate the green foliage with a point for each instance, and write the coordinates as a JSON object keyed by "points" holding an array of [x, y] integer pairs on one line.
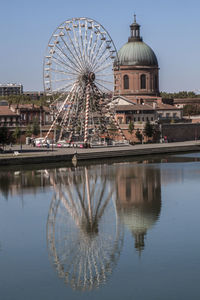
{"points": [[35, 127], [29, 130], [131, 127], [149, 129], [181, 94], [138, 135], [25, 99], [4, 135], [190, 110], [16, 134]]}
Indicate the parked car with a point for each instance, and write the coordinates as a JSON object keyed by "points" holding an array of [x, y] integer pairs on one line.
{"points": [[62, 144]]}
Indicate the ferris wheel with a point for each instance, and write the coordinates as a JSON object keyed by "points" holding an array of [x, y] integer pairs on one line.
{"points": [[78, 76], [84, 236]]}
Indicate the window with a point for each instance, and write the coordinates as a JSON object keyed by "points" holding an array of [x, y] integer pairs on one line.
{"points": [[143, 82], [126, 82], [156, 82], [128, 120], [120, 120]]}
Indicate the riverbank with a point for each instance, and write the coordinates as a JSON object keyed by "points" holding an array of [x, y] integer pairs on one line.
{"points": [[30, 155]]}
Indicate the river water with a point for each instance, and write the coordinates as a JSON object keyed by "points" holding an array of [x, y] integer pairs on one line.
{"points": [[117, 230]]}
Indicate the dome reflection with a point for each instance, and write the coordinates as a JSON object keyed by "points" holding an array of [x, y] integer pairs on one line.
{"points": [[138, 200]]}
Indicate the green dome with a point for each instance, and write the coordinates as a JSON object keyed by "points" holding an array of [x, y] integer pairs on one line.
{"points": [[137, 53]]}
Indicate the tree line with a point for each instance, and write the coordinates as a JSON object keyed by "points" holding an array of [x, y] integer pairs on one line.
{"points": [[25, 99], [181, 94]]}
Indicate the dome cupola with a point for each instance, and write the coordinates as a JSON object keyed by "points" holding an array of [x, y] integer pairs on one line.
{"points": [[136, 52], [135, 31]]}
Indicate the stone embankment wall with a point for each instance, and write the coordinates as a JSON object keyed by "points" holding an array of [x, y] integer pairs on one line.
{"points": [[181, 132]]}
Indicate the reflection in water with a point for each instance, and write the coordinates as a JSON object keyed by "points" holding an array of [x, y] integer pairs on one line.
{"points": [[22, 182], [83, 235], [138, 199]]}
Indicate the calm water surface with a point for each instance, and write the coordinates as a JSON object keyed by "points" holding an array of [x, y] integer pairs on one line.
{"points": [[124, 230]]}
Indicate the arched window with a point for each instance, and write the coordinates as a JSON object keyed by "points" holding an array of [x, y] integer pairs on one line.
{"points": [[143, 82], [156, 82], [126, 82]]}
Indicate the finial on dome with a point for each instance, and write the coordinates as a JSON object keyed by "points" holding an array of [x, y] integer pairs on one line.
{"points": [[134, 18]]}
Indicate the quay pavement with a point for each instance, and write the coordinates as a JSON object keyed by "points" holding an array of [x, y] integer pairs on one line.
{"points": [[31, 155]]}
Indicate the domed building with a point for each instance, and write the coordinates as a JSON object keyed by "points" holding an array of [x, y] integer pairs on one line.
{"points": [[137, 71]]}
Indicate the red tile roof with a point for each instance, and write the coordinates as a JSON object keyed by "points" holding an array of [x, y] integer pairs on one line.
{"points": [[6, 111]]}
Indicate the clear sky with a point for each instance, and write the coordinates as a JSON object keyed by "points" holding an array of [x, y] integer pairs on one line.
{"points": [[170, 27]]}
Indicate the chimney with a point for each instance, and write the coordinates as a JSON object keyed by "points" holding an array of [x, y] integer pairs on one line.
{"points": [[154, 105]]}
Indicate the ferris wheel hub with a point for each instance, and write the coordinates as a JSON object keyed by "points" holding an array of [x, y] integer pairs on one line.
{"points": [[88, 77]]}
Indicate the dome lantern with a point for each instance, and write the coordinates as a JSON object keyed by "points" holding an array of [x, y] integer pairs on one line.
{"points": [[135, 31]]}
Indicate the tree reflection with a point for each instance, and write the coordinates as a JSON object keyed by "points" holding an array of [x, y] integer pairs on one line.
{"points": [[83, 236], [138, 199]]}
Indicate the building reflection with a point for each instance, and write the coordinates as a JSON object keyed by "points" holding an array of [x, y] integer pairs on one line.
{"points": [[22, 182], [83, 235], [138, 199]]}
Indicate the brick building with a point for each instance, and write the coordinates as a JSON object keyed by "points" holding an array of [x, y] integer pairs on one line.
{"points": [[31, 112], [8, 118]]}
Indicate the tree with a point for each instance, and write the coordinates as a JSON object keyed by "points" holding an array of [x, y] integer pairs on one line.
{"points": [[138, 135], [4, 136], [148, 130], [28, 130], [16, 134], [131, 127], [35, 127]]}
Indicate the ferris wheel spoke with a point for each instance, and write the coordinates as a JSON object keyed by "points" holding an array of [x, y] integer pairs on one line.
{"points": [[71, 61], [104, 81], [92, 53], [101, 61], [78, 45], [103, 54], [63, 87], [75, 50], [59, 80], [75, 59], [96, 57], [110, 64], [104, 88], [62, 63], [63, 72], [82, 44], [90, 40], [99, 74], [86, 37]]}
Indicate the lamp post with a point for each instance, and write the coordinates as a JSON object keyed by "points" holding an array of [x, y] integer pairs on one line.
{"points": [[20, 122]]}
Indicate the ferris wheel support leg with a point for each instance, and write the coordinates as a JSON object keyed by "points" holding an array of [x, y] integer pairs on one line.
{"points": [[60, 110], [87, 113]]}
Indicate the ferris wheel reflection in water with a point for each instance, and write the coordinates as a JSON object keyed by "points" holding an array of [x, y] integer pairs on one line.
{"points": [[83, 234], [89, 209]]}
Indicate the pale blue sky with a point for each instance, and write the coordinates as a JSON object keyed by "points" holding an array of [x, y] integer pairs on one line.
{"points": [[170, 27]]}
